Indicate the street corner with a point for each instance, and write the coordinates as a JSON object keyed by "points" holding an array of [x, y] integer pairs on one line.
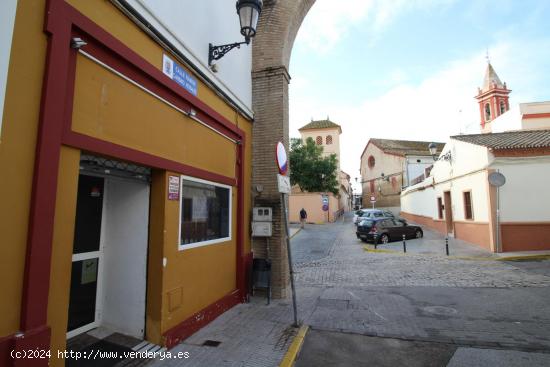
{"points": [[295, 348]]}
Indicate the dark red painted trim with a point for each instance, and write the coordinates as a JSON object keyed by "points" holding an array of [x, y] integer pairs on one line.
{"points": [[102, 147], [17, 345], [192, 324], [240, 281], [34, 304]]}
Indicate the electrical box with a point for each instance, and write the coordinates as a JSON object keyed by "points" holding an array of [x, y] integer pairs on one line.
{"points": [[261, 229], [262, 214]]}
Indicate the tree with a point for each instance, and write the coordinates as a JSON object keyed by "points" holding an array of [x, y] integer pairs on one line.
{"points": [[310, 170]]}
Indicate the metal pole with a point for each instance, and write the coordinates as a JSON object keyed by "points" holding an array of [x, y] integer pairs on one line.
{"points": [[404, 245], [375, 241], [290, 262], [447, 245], [498, 220]]}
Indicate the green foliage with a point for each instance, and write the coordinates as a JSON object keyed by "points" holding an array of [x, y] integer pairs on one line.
{"points": [[310, 170]]}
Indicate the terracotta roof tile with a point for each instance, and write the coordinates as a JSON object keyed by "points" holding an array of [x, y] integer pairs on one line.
{"points": [[509, 140], [320, 124], [405, 147]]}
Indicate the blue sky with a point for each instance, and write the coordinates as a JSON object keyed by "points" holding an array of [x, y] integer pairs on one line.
{"points": [[409, 69]]}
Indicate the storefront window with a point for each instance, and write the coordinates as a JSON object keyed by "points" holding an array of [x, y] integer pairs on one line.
{"points": [[205, 213]]}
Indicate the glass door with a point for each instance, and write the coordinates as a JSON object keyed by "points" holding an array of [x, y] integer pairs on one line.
{"points": [[84, 313]]}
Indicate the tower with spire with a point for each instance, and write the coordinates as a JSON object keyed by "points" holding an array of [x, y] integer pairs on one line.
{"points": [[492, 98]]}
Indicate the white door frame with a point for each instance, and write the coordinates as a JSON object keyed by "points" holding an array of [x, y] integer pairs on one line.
{"points": [[99, 256]]}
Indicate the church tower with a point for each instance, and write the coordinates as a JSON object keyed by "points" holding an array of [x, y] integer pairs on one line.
{"points": [[492, 98]]}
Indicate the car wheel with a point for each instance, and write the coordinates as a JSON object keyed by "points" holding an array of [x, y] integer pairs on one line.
{"points": [[418, 234], [384, 239]]}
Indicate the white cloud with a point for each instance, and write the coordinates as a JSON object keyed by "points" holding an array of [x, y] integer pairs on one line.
{"points": [[329, 21], [434, 109]]}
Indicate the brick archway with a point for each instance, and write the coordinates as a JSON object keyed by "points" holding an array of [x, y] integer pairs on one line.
{"points": [[277, 29]]}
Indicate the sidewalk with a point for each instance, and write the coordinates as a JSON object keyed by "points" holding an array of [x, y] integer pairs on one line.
{"points": [[433, 243]]}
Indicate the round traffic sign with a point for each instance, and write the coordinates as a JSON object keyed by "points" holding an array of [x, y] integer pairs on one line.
{"points": [[281, 158], [325, 207], [497, 179], [373, 199]]}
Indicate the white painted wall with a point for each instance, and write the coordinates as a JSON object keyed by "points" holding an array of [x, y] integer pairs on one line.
{"points": [[466, 172], [7, 20], [415, 166], [192, 25], [125, 256], [525, 197]]}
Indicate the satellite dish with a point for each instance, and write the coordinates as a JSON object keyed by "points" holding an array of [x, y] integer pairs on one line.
{"points": [[496, 179]]}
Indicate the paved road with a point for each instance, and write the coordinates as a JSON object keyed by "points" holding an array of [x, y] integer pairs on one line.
{"points": [[387, 309], [423, 297]]}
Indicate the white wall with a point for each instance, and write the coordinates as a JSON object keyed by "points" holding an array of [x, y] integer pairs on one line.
{"points": [[7, 20], [192, 25], [525, 197], [415, 166], [466, 172], [125, 256]]}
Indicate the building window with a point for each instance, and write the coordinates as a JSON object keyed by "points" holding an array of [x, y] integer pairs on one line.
{"points": [[205, 213], [329, 139], [371, 162], [440, 208], [319, 140], [468, 214], [502, 107], [487, 112]]}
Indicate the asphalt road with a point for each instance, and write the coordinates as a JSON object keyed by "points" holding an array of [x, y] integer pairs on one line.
{"points": [[393, 309]]}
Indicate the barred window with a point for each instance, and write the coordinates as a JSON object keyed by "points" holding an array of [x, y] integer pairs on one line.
{"points": [[319, 140], [329, 139], [468, 205]]}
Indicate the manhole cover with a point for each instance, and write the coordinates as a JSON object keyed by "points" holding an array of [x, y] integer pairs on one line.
{"points": [[440, 310]]}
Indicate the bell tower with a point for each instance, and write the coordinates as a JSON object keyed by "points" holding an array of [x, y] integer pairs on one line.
{"points": [[492, 98]]}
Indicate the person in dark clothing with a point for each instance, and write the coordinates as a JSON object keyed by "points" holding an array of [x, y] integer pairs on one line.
{"points": [[303, 217]]}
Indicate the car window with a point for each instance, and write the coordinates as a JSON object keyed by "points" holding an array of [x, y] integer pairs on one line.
{"points": [[366, 223], [388, 223], [398, 223], [378, 214], [366, 214]]}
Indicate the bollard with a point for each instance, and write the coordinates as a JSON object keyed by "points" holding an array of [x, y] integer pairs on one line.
{"points": [[447, 245], [404, 245], [375, 241]]}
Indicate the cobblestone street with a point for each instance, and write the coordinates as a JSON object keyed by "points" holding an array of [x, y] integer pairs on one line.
{"points": [[479, 302]]}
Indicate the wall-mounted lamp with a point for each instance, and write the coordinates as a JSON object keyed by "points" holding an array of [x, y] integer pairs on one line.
{"points": [[249, 12], [433, 151]]}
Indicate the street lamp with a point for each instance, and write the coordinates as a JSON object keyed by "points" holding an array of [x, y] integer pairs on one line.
{"points": [[433, 151], [249, 12]]}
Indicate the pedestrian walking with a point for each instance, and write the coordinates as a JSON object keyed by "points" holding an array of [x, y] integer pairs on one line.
{"points": [[303, 217]]}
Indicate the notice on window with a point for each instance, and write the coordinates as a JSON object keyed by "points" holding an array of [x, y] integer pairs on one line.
{"points": [[89, 271], [179, 75], [173, 188]]}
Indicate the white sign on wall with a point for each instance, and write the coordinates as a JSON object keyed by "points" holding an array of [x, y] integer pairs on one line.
{"points": [[284, 184]]}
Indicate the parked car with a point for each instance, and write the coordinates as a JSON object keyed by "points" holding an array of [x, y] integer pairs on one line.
{"points": [[385, 230], [363, 214]]}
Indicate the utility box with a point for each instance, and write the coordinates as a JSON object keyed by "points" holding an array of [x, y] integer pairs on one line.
{"points": [[261, 229], [262, 214]]}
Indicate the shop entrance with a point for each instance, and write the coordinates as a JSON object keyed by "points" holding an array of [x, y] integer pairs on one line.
{"points": [[108, 278]]}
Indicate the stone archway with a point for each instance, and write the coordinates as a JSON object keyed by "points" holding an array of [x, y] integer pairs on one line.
{"points": [[277, 29]]}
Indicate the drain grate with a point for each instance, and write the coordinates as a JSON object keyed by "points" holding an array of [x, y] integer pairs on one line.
{"points": [[211, 343]]}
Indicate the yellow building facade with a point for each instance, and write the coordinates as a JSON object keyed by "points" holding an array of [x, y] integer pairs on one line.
{"points": [[124, 194]]}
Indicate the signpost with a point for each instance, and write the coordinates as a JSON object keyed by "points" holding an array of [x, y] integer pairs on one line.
{"points": [[497, 179], [373, 200], [284, 188]]}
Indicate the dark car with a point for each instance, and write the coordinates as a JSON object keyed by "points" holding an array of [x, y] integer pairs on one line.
{"points": [[370, 214], [385, 230]]}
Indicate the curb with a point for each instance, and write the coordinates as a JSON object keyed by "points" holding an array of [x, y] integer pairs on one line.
{"points": [[295, 233], [294, 349], [368, 249], [524, 258]]}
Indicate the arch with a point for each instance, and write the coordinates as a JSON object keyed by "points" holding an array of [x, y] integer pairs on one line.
{"points": [[277, 29], [329, 139], [487, 112], [319, 140]]}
